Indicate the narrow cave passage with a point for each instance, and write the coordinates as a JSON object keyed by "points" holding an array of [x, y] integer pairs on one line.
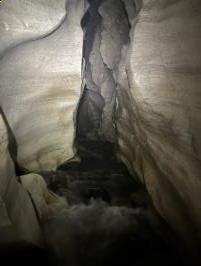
{"points": [[110, 219], [89, 115]]}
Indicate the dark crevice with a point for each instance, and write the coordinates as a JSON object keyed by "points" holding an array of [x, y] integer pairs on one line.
{"points": [[91, 103], [126, 14]]}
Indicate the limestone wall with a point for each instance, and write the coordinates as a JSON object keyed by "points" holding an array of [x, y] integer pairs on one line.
{"points": [[40, 80], [159, 107], [17, 216]]}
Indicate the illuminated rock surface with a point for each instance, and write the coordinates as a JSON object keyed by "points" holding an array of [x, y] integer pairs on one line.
{"points": [[21, 20], [17, 216], [40, 83], [159, 108], [40, 80]]}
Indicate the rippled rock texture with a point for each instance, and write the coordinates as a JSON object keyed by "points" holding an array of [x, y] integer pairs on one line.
{"points": [[41, 79], [17, 215], [159, 104]]}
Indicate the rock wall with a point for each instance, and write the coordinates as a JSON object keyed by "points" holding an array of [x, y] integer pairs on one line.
{"points": [[21, 20], [40, 79], [106, 31], [17, 215], [159, 104]]}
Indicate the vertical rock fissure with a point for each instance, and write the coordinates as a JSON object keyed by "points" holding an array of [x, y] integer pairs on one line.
{"points": [[106, 32], [91, 103]]}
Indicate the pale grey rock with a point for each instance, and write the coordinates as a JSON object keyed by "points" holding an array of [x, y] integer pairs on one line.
{"points": [[106, 28], [47, 203], [111, 33], [17, 215], [21, 20], [40, 83], [159, 110], [114, 35], [103, 78]]}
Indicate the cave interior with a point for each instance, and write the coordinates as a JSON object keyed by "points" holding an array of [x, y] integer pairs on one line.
{"points": [[108, 217]]}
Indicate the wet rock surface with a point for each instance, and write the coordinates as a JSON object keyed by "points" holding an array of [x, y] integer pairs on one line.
{"points": [[39, 81]]}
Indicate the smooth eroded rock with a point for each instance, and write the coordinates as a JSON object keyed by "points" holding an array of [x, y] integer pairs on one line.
{"points": [[159, 110]]}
